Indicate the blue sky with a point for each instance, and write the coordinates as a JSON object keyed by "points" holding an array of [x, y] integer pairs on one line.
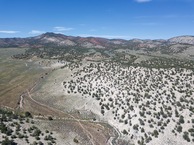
{"points": [[126, 19]]}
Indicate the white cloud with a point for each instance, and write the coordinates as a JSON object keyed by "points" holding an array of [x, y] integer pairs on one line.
{"points": [[143, 1], [58, 32], [107, 36], [9, 32], [36, 32], [62, 29]]}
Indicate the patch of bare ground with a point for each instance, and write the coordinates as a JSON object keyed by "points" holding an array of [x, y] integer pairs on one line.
{"points": [[10, 96], [70, 128], [72, 133], [38, 109]]}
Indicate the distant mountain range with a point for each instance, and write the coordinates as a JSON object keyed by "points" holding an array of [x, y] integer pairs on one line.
{"points": [[183, 39], [176, 44]]}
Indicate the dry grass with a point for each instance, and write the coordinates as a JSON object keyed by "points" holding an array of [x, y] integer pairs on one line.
{"points": [[16, 76]]}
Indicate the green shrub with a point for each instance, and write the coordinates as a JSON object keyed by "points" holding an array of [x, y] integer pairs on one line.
{"points": [[28, 114], [50, 118], [186, 136], [179, 128], [181, 119]]}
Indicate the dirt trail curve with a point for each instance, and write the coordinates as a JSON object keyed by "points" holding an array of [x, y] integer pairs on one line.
{"points": [[27, 93], [89, 135], [21, 101]]}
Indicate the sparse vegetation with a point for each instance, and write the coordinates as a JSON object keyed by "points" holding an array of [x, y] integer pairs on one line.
{"points": [[153, 105], [11, 129], [143, 95]]}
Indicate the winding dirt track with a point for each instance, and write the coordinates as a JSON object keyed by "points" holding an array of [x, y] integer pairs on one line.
{"points": [[89, 135], [21, 101]]}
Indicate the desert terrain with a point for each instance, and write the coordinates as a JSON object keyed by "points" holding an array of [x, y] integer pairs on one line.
{"points": [[96, 95]]}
